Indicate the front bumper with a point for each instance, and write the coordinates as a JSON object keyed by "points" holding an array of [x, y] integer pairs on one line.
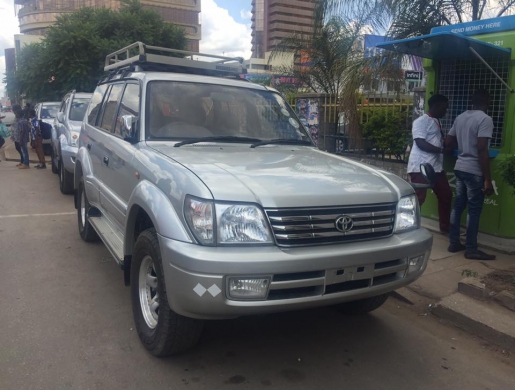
{"points": [[69, 154], [196, 276]]}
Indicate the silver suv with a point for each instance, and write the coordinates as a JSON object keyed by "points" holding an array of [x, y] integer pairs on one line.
{"points": [[212, 198], [65, 137]]}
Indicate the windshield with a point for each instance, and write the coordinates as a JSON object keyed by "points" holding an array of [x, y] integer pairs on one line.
{"points": [[78, 109], [179, 111], [49, 111]]}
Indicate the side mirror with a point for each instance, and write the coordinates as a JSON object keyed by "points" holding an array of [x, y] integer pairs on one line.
{"points": [[128, 130], [60, 117]]}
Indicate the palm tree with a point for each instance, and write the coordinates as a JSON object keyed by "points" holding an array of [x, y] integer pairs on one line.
{"points": [[337, 66], [410, 18]]}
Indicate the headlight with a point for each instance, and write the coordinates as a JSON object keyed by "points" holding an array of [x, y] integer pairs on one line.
{"points": [[407, 216], [241, 224], [234, 223]]}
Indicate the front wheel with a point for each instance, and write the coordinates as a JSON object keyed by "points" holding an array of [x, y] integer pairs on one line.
{"points": [[162, 331], [362, 306], [86, 231]]}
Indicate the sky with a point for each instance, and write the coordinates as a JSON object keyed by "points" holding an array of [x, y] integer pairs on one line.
{"points": [[225, 29]]}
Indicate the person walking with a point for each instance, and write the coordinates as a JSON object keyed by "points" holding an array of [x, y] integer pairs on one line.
{"points": [[428, 147], [38, 139], [470, 134], [23, 138]]}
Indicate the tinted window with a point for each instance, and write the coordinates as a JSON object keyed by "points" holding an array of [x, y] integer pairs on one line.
{"points": [[96, 103], [179, 110], [78, 109], [110, 105], [128, 106]]}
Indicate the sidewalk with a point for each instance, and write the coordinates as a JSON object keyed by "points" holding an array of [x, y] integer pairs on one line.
{"points": [[10, 153], [457, 287]]}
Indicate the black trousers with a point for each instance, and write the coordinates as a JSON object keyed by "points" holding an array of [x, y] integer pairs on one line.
{"points": [[18, 149], [2, 142]]}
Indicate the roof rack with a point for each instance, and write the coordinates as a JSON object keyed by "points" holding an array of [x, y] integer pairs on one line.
{"points": [[138, 57]]}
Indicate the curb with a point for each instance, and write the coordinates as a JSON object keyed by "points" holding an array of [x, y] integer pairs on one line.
{"points": [[490, 322]]}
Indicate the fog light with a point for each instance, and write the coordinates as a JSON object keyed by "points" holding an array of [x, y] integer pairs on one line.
{"points": [[248, 288], [416, 263]]}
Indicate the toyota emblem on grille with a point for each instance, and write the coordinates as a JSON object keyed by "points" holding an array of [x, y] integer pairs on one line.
{"points": [[344, 223]]}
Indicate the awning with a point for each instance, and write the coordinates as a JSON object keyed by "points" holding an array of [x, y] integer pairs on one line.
{"points": [[445, 46]]}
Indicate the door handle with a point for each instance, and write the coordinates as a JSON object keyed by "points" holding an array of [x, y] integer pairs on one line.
{"points": [[106, 160], [88, 146]]}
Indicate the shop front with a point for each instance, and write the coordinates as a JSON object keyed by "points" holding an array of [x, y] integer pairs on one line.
{"points": [[460, 59]]}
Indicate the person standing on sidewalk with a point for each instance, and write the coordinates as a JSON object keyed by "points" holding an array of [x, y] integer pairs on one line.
{"points": [[38, 139], [471, 133], [428, 147], [4, 131], [15, 132], [23, 136]]}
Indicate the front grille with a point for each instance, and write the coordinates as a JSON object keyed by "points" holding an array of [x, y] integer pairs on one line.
{"points": [[297, 227]]}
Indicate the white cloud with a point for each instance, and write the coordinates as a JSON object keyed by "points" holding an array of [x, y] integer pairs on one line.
{"points": [[7, 31], [221, 34], [245, 14]]}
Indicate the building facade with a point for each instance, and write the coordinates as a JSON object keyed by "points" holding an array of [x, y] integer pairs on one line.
{"points": [[36, 16], [273, 20]]}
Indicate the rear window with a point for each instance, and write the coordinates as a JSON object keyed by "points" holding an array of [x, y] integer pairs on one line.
{"points": [[49, 111], [78, 109]]}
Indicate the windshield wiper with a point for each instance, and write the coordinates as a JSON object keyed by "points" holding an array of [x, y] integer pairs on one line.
{"points": [[284, 141], [228, 138]]}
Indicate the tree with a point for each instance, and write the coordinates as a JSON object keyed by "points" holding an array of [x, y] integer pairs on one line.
{"points": [[73, 52], [337, 65], [408, 18]]}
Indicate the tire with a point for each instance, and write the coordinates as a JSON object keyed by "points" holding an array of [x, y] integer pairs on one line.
{"points": [[363, 306], [65, 180], [52, 157], [162, 331], [86, 231]]}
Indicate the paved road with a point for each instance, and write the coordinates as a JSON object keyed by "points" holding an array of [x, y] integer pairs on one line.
{"points": [[66, 323]]}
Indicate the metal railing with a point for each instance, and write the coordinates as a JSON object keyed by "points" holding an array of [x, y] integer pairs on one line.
{"points": [[330, 128]]}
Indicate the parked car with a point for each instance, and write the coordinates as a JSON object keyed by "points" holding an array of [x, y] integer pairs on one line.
{"points": [[9, 116], [214, 201], [65, 137], [46, 112]]}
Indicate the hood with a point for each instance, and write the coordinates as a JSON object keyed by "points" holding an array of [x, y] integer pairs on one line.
{"points": [[284, 176]]}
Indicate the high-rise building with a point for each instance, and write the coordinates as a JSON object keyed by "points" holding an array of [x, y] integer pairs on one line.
{"points": [[273, 20], [37, 15]]}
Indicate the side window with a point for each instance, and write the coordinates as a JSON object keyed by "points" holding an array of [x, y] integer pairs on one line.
{"points": [[95, 104], [128, 106], [110, 106]]}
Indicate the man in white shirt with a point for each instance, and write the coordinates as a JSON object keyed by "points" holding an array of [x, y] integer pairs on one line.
{"points": [[428, 147], [471, 133]]}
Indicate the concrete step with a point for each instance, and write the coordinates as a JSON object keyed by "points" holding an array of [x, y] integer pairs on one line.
{"points": [[485, 319], [475, 288]]}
